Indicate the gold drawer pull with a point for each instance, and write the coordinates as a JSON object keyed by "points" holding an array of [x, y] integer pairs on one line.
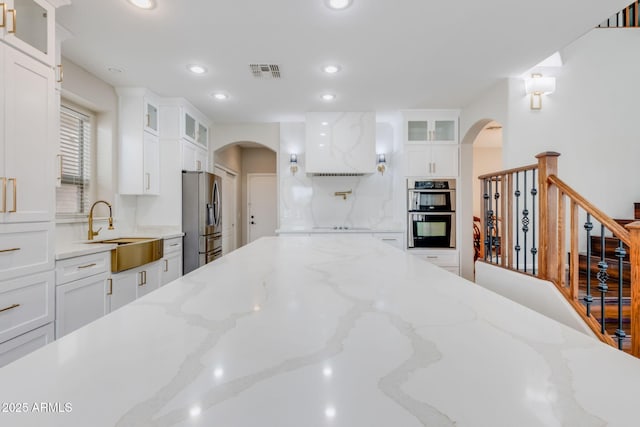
{"points": [[4, 13], [15, 192], [61, 75], [110, 287], [87, 266], [9, 250], [174, 244], [11, 307], [13, 12]]}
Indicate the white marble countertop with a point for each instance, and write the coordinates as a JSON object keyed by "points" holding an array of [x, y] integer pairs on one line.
{"points": [[66, 250], [325, 230], [323, 331]]}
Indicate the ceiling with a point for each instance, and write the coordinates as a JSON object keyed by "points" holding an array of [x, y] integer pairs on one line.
{"points": [[394, 54]]}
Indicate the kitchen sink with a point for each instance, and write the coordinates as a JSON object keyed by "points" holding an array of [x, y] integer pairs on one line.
{"points": [[133, 252]]}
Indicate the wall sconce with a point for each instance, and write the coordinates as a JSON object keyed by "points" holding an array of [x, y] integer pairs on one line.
{"points": [[382, 161], [293, 163], [536, 86]]}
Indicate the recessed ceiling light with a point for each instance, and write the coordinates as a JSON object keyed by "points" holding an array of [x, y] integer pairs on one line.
{"points": [[220, 96], [143, 4], [196, 69], [328, 97], [114, 70], [338, 4], [325, 123], [331, 69]]}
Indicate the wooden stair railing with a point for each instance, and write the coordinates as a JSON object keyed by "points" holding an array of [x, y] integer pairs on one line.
{"points": [[567, 225], [626, 18]]}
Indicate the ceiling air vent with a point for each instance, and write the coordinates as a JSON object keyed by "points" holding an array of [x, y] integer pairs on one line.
{"points": [[338, 174], [265, 71]]}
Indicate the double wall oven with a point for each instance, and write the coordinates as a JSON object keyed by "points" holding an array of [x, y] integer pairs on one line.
{"points": [[431, 213]]}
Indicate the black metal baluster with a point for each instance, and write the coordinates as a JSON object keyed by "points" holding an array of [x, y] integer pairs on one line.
{"points": [[588, 299], [534, 249], [517, 194], [603, 276], [485, 209], [620, 253], [489, 221], [496, 243], [525, 222]]}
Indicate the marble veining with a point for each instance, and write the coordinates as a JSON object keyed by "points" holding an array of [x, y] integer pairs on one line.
{"points": [[324, 331]]}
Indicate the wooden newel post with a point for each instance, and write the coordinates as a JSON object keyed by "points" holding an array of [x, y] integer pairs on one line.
{"points": [[634, 259], [548, 196]]}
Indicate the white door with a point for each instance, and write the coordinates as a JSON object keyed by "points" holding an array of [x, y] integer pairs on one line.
{"points": [[261, 206], [229, 209]]}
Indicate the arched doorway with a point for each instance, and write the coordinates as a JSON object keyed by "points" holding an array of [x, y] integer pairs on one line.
{"points": [[239, 162], [481, 153]]}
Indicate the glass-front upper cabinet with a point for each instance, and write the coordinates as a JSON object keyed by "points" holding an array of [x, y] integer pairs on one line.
{"points": [[29, 25], [431, 126], [203, 135], [151, 117], [189, 127]]}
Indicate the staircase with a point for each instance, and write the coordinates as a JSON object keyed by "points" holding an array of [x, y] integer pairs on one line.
{"points": [[613, 271]]}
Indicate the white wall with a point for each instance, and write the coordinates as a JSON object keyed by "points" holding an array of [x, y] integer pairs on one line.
{"points": [[307, 202], [267, 134], [490, 106], [88, 91], [591, 119]]}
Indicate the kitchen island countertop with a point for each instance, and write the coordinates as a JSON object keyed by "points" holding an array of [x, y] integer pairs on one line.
{"points": [[322, 331]]}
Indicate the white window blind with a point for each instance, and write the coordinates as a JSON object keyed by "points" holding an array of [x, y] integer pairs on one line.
{"points": [[72, 196]]}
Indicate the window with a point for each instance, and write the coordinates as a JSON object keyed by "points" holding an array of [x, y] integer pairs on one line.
{"points": [[72, 194]]}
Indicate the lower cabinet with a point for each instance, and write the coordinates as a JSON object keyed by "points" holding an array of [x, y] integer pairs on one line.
{"points": [[171, 263], [24, 344], [446, 259], [80, 302], [128, 285]]}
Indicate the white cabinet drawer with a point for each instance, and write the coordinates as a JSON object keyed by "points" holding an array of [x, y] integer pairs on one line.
{"points": [[77, 268], [24, 344], [441, 258], [393, 239], [25, 304], [25, 249], [172, 245]]}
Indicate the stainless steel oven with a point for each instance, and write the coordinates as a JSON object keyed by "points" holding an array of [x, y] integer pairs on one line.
{"points": [[432, 230], [431, 195]]}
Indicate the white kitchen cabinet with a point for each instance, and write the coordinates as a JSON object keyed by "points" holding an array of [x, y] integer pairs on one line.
{"points": [[151, 164], [436, 126], [26, 248], [26, 303], [194, 158], [341, 143], [80, 302], [24, 344], [128, 285], [29, 25], [193, 127], [148, 278], [171, 262], [27, 140], [393, 239], [139, 158], [81, 290], [431, 160], [447, 259]]}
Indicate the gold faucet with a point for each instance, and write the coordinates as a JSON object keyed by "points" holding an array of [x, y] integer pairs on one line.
{"points": [[342, 193], [95, 233]]}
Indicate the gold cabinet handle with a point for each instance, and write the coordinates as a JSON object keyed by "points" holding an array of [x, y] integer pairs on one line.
{"points": [[13, 12], [61, 74], [11, 307], [4, 14], [15, 192], [93, 264], [166, 265], [148, 120], [4, 195], [9, 250], [60, 160], [174, 244], [143, 278], [110, 287], [199, 165], [148, 180]]}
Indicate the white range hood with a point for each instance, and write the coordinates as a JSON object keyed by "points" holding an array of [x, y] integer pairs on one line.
{"points": [[340, 143]]}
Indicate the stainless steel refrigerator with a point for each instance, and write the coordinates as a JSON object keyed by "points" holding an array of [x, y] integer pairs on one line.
{"points": [[201, 219]]}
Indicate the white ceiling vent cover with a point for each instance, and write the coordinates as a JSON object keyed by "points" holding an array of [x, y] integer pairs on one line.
{"points": [[265, 71]]}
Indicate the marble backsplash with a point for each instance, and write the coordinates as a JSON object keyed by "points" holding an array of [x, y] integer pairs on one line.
{"points": [[310, 201]]}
